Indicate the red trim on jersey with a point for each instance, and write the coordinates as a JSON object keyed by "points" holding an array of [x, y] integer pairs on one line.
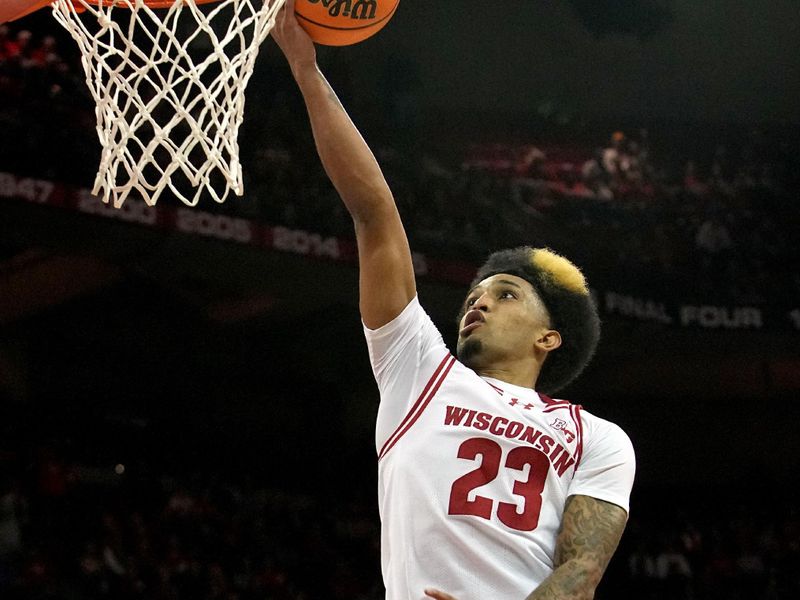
{"points": [[552, 404], [548, 399], [557, 404], [496, 389], [575, 411], [421, 403]]}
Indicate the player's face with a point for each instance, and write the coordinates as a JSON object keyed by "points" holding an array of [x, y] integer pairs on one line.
{"points": [[503, 316]]}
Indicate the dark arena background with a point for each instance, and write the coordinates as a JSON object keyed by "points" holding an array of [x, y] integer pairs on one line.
{"points": [[186, 404]]}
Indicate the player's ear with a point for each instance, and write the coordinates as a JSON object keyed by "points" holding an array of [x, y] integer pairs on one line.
{"points": [[548, 340]]}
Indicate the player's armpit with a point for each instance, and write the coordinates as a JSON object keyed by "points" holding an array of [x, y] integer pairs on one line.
{"points": [[589, 534]]}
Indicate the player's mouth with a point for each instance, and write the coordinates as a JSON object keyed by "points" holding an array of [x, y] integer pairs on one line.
{"points": [[473, 320]]}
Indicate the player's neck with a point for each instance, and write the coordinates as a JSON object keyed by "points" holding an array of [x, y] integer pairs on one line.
{"points": [[521, 374]]}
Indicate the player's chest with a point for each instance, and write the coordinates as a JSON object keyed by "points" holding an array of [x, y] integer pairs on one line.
{"points": [[505, 459], [469, 420]]}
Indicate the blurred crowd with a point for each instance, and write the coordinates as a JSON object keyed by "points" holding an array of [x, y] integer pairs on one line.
{"points": [[717, 229], [77, 531], [659, 213], [30, 65], [726, 547], [45, 115]]}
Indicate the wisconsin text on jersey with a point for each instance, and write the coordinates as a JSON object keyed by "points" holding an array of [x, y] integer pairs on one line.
{"points": [[557, 454]]}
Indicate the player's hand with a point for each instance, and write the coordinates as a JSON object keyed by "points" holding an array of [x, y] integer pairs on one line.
{"points": [[438, 595], [292, 39]]}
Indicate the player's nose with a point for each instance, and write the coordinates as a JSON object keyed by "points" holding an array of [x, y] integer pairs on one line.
{"points": [[483, 302]]}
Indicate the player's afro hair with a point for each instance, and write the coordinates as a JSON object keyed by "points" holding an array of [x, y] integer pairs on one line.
{"points": [[573, 312]]}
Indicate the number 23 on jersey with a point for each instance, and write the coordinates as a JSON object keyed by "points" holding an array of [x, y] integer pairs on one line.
{"points": [[522, 516]]}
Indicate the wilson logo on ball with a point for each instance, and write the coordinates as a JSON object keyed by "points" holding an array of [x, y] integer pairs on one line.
{"points": [[362, 9], [343, 22]]}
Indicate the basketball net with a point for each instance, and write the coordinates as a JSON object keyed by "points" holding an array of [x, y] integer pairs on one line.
{"points": [[169, 86]]}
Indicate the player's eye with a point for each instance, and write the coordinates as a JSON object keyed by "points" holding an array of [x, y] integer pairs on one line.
{"points": [[470, 301], [507, 294]]}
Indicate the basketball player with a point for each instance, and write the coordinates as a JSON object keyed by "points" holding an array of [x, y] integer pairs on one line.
{"points": [[488, 488]]}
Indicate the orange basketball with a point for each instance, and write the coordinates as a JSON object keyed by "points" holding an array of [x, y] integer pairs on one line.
{"points": [[343, 22]]}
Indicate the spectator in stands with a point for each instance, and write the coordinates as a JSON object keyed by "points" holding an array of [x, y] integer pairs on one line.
{"points": [[596, 177], [44, 53], [673, 570], [9, 47], [630, 164], [612, 154], [642, 575], [4, 41], [530, 163], [20, 46]]}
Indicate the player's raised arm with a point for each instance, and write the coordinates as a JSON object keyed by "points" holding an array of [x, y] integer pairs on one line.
{"points": [[386, 279], [13, 9]]}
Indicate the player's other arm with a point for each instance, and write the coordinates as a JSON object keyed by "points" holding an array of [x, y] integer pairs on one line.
{"points": [[386, 279], [589, 534], [14, 9]]}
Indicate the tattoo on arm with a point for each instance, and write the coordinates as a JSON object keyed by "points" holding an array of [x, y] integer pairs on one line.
{"points": [[331, 94], [589, 534], [590, 529]]}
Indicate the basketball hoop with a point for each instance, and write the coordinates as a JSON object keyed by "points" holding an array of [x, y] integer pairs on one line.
{"points": [[168, 78]]}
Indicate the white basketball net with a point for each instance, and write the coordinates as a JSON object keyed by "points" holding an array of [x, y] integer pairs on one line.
{"points": [[169, 85]]}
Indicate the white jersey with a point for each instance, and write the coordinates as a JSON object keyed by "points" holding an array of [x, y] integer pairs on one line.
{"points": [[473, 472]]}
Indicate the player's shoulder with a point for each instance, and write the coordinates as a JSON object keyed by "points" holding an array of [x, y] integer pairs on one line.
{"points": [[412, 334], [597, 421], [593, 425], [410, 321], [603, 432]]}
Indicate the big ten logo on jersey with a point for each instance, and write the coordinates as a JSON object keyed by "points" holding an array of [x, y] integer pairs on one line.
{"points": [[360, 9], [561, 425], [527, 464]]}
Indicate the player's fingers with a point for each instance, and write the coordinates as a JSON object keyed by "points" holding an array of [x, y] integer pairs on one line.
{"points": [[287, 30], [280, 19], [438, 594], [284, 21], [286, 12]]}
